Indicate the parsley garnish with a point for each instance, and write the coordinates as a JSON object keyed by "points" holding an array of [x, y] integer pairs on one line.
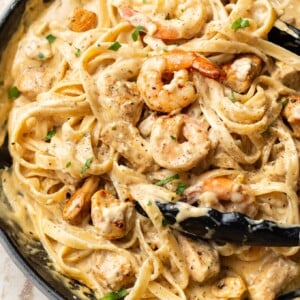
{"points": [[168, 17], [172, 137], [50, 134], [115, 46], [68, 164], [180, 188], [167, 180], [284, 102], [164, 222], [240, 23], [115, 295], [13, 93], [149, 203], [51, 38], [77, 52], [86, 165], [137, 31], [41, 56], [232, 96]]}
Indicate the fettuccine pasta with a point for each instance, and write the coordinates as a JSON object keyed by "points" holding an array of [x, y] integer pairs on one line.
{"points": [[110, 103]]}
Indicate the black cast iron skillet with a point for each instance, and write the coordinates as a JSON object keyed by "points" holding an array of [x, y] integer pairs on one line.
{"points": [[30, 256], [32, 259]]}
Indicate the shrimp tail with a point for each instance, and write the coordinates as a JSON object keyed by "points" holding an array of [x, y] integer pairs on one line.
{"points": [[179, 59], [233, 227]]}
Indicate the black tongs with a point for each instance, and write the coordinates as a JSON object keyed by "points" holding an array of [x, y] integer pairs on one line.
{"points": [[233, 227], [285, 35], [5, 157]]}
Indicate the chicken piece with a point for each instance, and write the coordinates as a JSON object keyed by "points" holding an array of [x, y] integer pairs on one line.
{"points": [[78, 206], [113, 218], [82, 20], [273, 277], [288, 75], [33, 81], [241, 72], [202, 259], [113, 270], [291, 112], [231, 286], [126, 140]]}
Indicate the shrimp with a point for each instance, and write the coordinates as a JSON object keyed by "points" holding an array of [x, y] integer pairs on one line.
{"points": [[113, 218], [291, 112], [82, 20], [224, 194], [178, 142], [78, 206], [180, 92], [185, 23]]}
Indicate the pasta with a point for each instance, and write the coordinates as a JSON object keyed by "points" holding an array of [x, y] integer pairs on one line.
{"points": [[114, 102]]}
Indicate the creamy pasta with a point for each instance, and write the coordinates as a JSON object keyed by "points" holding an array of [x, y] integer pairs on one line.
{"points": [[110, 103]]}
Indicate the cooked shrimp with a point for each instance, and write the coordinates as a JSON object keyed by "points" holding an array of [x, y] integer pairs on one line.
{"points": [[180, 92], [82, 20], [186, 22], [78, 206], [224, 194], [178, 142], [113, 218], [291, 112]]}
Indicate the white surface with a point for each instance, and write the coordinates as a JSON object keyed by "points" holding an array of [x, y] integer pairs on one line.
{"points": [[13, 284]]}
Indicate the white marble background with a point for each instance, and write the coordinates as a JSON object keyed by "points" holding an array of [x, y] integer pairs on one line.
{"points": [[13, 283]]}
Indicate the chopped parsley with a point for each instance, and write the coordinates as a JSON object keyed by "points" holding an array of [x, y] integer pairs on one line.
{"points": [[232, 96], [13, 93], [172, 137], [115, 295], [86, 165], [68, 164], [149, 203], [41, 56], [77, 52], [284, 102], [164, 222], [167, 180], [240, 23], [115, 46], [137, 31], [180, 188], [50, 134], [51, 38], [168, 17]]}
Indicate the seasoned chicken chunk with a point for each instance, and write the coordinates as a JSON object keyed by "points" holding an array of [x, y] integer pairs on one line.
{"points": [[202, 259], [33, 81], [82, 20], [288, 75], [241, 72], [291, 112], [113, 218], [113, 270], [273, 277]]}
